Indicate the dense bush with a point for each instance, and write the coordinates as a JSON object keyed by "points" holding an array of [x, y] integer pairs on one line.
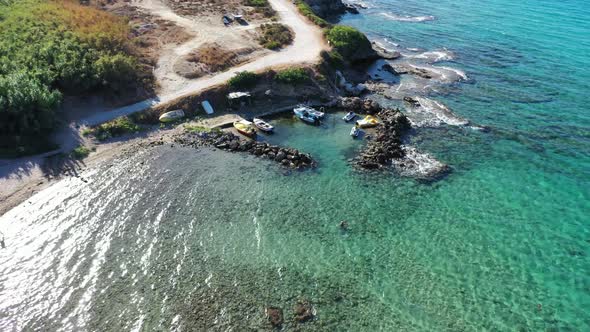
{"points": [[292, 76], [52, 47], [348, 41], [275, 35], [306, 10], [261, 7], [257, 3], [244, 79], [333, 59]]}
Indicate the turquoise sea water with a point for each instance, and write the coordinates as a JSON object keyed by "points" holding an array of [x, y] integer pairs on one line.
{"points": [[183, 239]]}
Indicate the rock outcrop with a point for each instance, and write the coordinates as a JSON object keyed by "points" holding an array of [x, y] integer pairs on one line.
{"points": [[387, 144], [327, 8]]}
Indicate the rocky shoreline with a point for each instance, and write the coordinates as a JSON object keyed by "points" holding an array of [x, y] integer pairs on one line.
{"points": [[286, 157]]}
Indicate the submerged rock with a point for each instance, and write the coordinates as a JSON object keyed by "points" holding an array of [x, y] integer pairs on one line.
{"points": [[303, 311], [275, 316]]}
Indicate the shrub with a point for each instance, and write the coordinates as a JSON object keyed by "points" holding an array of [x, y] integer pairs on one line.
{"points": [[244, 79], [333, 59], [52, 47], [117, 127], [292, 76], [348, 40], [26, 105], [116, 71], [306, 10], [274, 36], [257, 3], [262, 7], [80, 152], [200, 129]]}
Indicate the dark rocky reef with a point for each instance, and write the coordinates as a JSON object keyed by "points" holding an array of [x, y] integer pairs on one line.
{"points": [[385, 53], [358, 105], [287, 157], [387, 144], [386, 150], [328, 9]]}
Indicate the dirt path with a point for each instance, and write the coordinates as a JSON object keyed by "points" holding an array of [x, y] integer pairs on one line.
{"points": [[306, 47]]}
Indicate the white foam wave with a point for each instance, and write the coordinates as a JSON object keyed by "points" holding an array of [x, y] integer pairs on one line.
{"points": [[434, 56], [419, 165], [432, 113], [399, 18]]}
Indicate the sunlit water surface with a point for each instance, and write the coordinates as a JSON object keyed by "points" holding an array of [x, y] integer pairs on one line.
{"points": [[175, 238]]}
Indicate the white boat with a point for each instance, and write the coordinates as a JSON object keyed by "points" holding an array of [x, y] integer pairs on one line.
{"points": [[171, 116], [312, 111], [303, 114], [263, 125], [349, 116], [207, 107], [355, 132]]}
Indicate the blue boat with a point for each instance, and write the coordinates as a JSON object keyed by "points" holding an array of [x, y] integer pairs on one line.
{"points": [[304, 114]]}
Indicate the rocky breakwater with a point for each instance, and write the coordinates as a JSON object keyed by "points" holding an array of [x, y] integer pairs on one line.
{"points": [[386, 149], [287, 157], [387, 142]]}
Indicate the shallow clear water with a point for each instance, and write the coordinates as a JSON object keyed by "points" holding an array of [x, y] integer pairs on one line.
{"points": [[177, 238]]}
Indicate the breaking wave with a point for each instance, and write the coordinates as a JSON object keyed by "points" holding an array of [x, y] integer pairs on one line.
{"points": [[409, 18], [432, 113], [419, 165]]}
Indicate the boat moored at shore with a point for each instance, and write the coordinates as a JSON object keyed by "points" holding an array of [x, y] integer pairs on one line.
{"points": [[303, 114], [349, 116], [263, 125], [368, 122], [245, 127]]}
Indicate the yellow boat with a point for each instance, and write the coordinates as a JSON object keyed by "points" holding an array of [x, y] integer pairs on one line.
{"points": [[368, 122], [245, 128]]}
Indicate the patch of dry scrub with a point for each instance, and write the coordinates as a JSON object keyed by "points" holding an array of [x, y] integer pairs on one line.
{"points": [[211, 58]]}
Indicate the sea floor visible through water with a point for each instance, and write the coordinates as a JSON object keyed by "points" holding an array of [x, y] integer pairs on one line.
{"points": [[175, 237]]}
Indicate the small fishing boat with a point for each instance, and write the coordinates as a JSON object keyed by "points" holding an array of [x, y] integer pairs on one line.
{"points": [[312, 111], [263, 125], [304, 115], [355, 132], [171, 116], [368, 122], [349, 116], [207, 107], [245, 127]]}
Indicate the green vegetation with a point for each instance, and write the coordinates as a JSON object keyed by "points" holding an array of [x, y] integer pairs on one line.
{"points": [[117, 127], [348, 41], [51, 48], [257, 3], [80, 152], [200, 129], [333, 59], [261, 7], [306, 10], [293, 76], [244, 79], [274, 36]]}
